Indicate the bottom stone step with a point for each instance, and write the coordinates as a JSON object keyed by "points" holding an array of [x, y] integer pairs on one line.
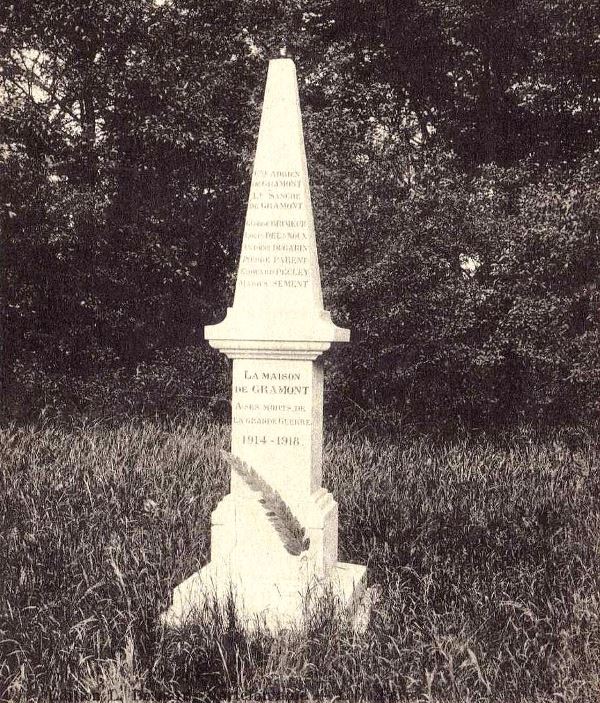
{"points": [[274, 608]]}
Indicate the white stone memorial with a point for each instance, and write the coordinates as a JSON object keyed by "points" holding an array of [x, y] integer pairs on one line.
{"points": [[275, 333]]}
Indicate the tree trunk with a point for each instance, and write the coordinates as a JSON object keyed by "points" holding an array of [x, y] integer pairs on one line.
{"points": [[5, 346]]}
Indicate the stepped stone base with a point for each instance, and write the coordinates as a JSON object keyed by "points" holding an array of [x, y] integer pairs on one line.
{"points": [[274, 607], [270, 587]]}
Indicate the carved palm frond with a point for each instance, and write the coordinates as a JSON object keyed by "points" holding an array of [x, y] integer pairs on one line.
{"points": [[290, 531]]}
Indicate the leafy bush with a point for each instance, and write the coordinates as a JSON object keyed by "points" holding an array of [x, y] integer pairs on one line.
{"points": [[174, 382], [473, 297]]}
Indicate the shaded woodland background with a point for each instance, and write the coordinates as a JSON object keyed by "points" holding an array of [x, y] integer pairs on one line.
{"points": [[454, 158]]}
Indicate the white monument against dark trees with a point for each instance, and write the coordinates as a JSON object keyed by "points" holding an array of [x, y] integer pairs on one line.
{"points": [[274, 537]]}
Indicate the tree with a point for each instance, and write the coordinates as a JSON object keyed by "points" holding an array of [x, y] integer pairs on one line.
{"points": [[121, 161], [127, 132], [498, 80]]}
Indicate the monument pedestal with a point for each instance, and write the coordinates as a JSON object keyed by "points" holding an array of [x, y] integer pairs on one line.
{"points": [[277, 428], [275, 333], [270, 587]]}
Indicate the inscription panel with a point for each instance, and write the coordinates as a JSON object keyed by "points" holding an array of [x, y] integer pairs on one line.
{"points": [[272, 421]]}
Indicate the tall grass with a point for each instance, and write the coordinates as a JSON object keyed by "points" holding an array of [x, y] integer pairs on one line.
{"points": [[486, 554]]}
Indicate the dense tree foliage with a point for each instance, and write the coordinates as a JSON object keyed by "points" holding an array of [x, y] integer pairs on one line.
{"points": [[453, 151]]}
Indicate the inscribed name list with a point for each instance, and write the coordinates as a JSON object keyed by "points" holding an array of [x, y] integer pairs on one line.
{"points": [[276, 254]]}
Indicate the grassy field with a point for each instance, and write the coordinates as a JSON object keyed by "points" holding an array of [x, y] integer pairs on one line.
{"points": [[487, 554]]}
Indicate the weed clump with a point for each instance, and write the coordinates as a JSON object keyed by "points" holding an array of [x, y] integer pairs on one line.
{"points": [[485, 552]]}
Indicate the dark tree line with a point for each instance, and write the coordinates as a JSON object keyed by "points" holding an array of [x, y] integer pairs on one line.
{"points": [[453, 151]]}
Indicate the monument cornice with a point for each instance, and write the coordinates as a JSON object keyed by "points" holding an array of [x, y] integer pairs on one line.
{"points": [[270, 349], [299, 331]]}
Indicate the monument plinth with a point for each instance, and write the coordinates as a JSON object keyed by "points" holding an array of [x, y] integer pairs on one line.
{"points": [[275, 333]]}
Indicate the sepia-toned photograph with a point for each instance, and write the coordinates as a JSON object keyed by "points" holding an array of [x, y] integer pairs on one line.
{"points": [[299, 351]]}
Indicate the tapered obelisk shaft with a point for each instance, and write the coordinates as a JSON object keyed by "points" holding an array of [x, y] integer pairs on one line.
{"points": [[275, 333]]}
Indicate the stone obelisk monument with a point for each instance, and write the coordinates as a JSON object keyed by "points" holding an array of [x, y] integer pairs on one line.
{"points": [[275, 333]]}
